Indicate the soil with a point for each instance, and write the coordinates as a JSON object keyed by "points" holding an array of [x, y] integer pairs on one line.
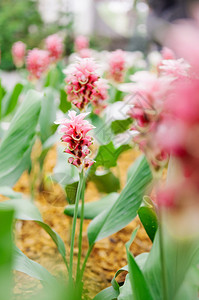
{"points": [[107, 256]]}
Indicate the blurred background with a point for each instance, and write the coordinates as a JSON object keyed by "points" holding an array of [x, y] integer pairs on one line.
{"points": [[109, 24]]}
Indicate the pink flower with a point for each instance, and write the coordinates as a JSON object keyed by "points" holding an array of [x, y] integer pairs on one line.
{"points": [[181, 126], [54, 45], [183, 38], [146, 101], [167, 53], [81, 80], [117, 62], [100, 95], [174, 67], [81, 42], [18, 53], [85, 53], [37, 62], [74, 132]]}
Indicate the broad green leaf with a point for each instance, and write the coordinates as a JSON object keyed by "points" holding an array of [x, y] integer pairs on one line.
{"points": [[8, 192], [107, 155], [6, 253], [93, 209], [149, 220], [2, 91], [71, 191], [119, 126], [26, 210], [54, 77], [124, 210], [48, 114], [64, 105], [106, 182], [66, 175], [126, 290], [102, 133], [107, 294], [180, 256], [46, 147], [26, 265], [11, 178], [17, 141], [10, 100], [115, 95], [138, 282], [2, 94]]}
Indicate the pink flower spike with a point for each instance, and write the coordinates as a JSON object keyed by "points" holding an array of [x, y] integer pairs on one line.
{"points": [[37, 62], [75, 130], [167, 53], [81, 79], [100, 95], [117, 68], [54, 45], [81, 42], [18, 53]]}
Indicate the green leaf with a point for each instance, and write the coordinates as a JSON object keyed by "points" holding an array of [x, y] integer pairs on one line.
{"points": [[2, 94], [107, 155], [64, 105], [10, 100], [102, 133], [119, 126], [16, 145], [26, 210], [71, 191], [138, 282], [66, 175], [8, 192], [46, 147], [54, 78], [26, 265], [48, 114], [124, 210], [126, 290], [106, 182], [6, 253], [93, 209], [149, 220], [139, 285], [107, 294], [180, 256]]}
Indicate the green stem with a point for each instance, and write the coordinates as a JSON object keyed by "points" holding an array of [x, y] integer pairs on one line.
{"points": [[85, 261], [162, 257], [74, 226], [66, 263], [80, 231]]}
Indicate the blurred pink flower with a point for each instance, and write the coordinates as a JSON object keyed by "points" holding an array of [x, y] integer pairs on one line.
{"points": [[81, 80], [85, 53], [75, 131], [174, 67], [100, 95], [148, 94], [54, 45], [18, 53], [167, 53], [117, 66], [183, 38], [81, 42], [181, 126], [37, 62]]}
